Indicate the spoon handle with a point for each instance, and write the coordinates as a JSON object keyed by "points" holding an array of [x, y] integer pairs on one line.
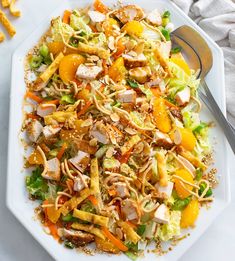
{"points": [[214, 108], [204, 98]]}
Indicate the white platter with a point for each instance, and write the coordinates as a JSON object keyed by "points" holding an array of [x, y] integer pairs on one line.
{"points": [[17, 197]]}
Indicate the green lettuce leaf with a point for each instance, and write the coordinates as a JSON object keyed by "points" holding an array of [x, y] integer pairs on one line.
{"points": [[36, 185]]}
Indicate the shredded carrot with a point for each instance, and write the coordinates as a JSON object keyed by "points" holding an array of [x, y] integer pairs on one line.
{"points": [[131, 224], [126, 156], [156, 92], [69, 184], [106, 69], [66, 17], [99, 6], [62, 199], [84, 109], [56, 102], [112, 192], [44, 147], [117, 130], [53, 230], [102, 88], [32, 116], [93, 200], [33, 96], [118, 208], [120, 49], [52, 227], [88, 87], [118, 243], [171, 105], [61, 151], [93, 28]]}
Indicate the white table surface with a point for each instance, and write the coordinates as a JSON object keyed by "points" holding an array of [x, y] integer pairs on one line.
{"points": [[218, 242]]}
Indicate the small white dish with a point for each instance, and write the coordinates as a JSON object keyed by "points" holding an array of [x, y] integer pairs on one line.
{"points": [[17, 196]]}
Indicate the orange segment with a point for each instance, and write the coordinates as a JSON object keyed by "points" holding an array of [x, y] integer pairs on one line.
{"points": [[69, 65], [185, 175], [56, 47], [190, 214], [182, 64], [133, 28], [117, 70], [99, 6], [108, 26], [35, 158], [162, 119], [53, 214], [84, 94], [69, 135], [185, 138]]}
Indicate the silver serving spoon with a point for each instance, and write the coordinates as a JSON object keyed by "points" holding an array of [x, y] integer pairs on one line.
{"points": [[199, 56]]}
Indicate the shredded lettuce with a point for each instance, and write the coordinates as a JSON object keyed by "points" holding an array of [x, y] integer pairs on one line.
{"points": [[52, 191], [36, 185], [168, 231], [59, 28]]}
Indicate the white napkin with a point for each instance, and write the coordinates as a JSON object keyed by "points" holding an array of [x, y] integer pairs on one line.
{"points": [[217, 18]]}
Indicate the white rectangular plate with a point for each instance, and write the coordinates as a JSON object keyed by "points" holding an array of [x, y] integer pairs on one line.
{"points": [[17, 197]]}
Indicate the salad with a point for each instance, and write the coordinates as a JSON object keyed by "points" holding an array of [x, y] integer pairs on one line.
{"points": [[119, 155]]}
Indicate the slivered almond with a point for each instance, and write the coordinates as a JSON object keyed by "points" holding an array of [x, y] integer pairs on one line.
{"points": [[111, 43], [177, 137], [130, 131], [114, 117]]}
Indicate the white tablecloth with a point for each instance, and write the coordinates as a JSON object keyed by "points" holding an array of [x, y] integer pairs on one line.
{"points": [[16, 244]]}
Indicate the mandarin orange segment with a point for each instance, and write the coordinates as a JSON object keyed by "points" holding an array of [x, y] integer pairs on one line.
{"points": [[179, 185], [186, 138], [182, 64], [35, 158], [69, 135], [190, 214], [109, 25], [117, 70], [53, 214], [84, 94], [100, 7], [162, 119], [56, 47], [133, 28], [69, 65]]}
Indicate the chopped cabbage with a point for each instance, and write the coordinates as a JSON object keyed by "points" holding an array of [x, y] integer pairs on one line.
{"points": [[146, 91], [168, 231], [59, 28], [111, 163], [181, 81], [150, 34], [77, 23], [155, 168], [191, 119], [139, 120]]}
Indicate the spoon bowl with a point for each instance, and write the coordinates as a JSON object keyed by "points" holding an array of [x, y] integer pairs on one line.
{"points": [[199, 57]]}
